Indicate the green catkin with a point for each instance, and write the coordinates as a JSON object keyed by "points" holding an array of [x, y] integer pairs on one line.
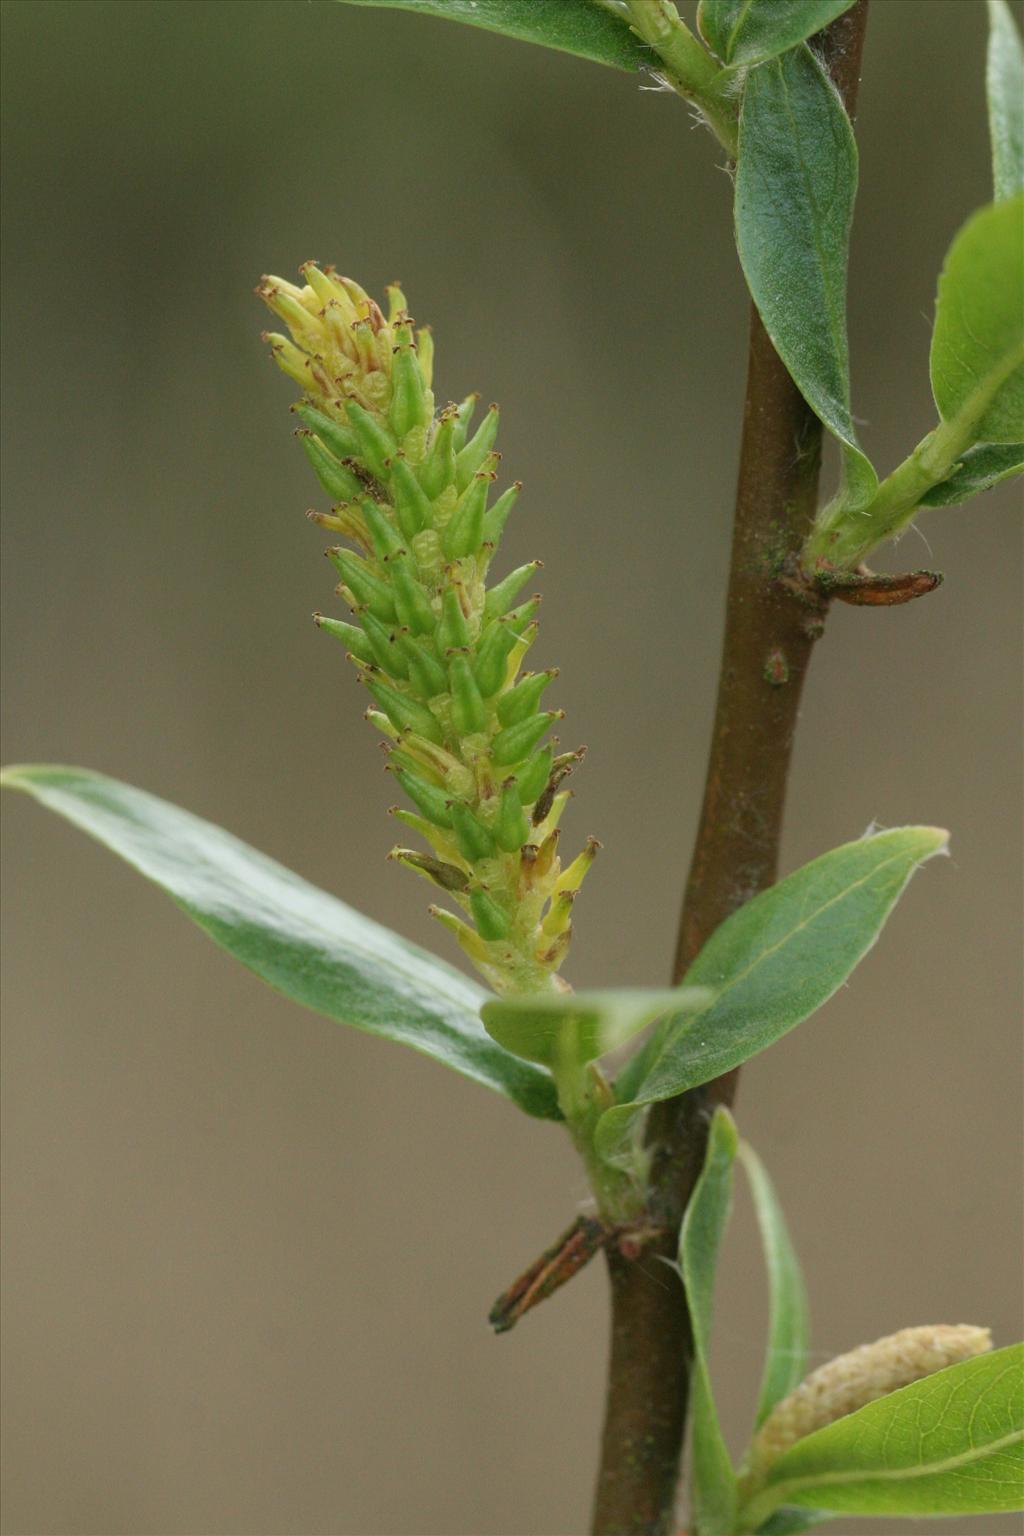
{"points": [[438, 652]]}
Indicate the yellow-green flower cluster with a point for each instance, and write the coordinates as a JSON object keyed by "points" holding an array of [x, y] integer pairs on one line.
{"points": [[439, 651]]}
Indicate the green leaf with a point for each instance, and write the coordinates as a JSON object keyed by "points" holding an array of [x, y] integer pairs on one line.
{"points": [[714, 1481], [1004, 82], [949, 1444], [569, 1029], [788, 1324], [793, 1522], [744, 32], [796, 179], [774, 962], [977, 355], [980, 468], [304, 942], [572, 26]]}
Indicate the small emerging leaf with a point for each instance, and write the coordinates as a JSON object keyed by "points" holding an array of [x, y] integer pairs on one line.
{"points": [[978, 470], [773, 963], [571, 1028], [303, 941], [1004, 82], [744, 32], [949, 1444], [788, 1327], [796, 179], [571, 26], [714, 1481], [977, 353]]}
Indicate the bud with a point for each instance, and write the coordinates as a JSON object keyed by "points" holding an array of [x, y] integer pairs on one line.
{"points": [[464, 414], [438, 468], [453, 631], [533, 777], [511, 828], [445, 875], [862, 1376], [433, 802], [501, 597], [491, 655], [376, 445], [406, 713], [338, 439], [411, 600], [494, 521]]}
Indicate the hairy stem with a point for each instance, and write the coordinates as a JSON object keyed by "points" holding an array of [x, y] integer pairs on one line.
{"points": [[772, 622]]}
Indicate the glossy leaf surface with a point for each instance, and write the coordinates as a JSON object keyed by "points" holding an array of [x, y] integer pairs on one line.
{"points": [[303, 941], [796, 180], [744, 32], [714, 1481], [977, 355], [571, 26], [775, 961], [978, 470], [788, 1319], [949, 1444], [1004, 83]]}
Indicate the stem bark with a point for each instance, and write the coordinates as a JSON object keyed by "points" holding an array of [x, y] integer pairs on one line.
{"points": [[773, 619]]}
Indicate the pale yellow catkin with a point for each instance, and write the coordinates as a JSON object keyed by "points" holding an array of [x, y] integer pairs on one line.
{"points": [[848, 1382]]}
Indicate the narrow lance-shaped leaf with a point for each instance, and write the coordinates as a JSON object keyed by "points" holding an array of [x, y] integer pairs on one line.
{"points": [[796, 179], [745, 32], [714, 1481], [303, 941], [788, 1325], [1004, 82], [978, 470], [949, 1444], [774, 962], [571, 26], [977, 353]]}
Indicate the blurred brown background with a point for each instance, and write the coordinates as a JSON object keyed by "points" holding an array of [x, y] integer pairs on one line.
{"points": [[250, 1254]]}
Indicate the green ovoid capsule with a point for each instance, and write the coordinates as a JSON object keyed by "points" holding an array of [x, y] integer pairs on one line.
{"points": [[438, 468], [342, 442], [464, 414], [339, 483], [513, 743], [504, 593], [367, 588], [533, 776], [521, 701], [469, 460], [453, 630], [473, 838], [433, 802], [511, 827], [412, 504], [351, 637], [491, 921], [469, 714], [376, 445], [412, 604], [385, 538], [406, 713], [409, 404], [426, 673], [383, 641], [495, 519], [465, 532], [492, 651]]}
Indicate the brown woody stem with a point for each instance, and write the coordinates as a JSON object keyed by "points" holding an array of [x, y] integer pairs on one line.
{"points": [[773, 618]]}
